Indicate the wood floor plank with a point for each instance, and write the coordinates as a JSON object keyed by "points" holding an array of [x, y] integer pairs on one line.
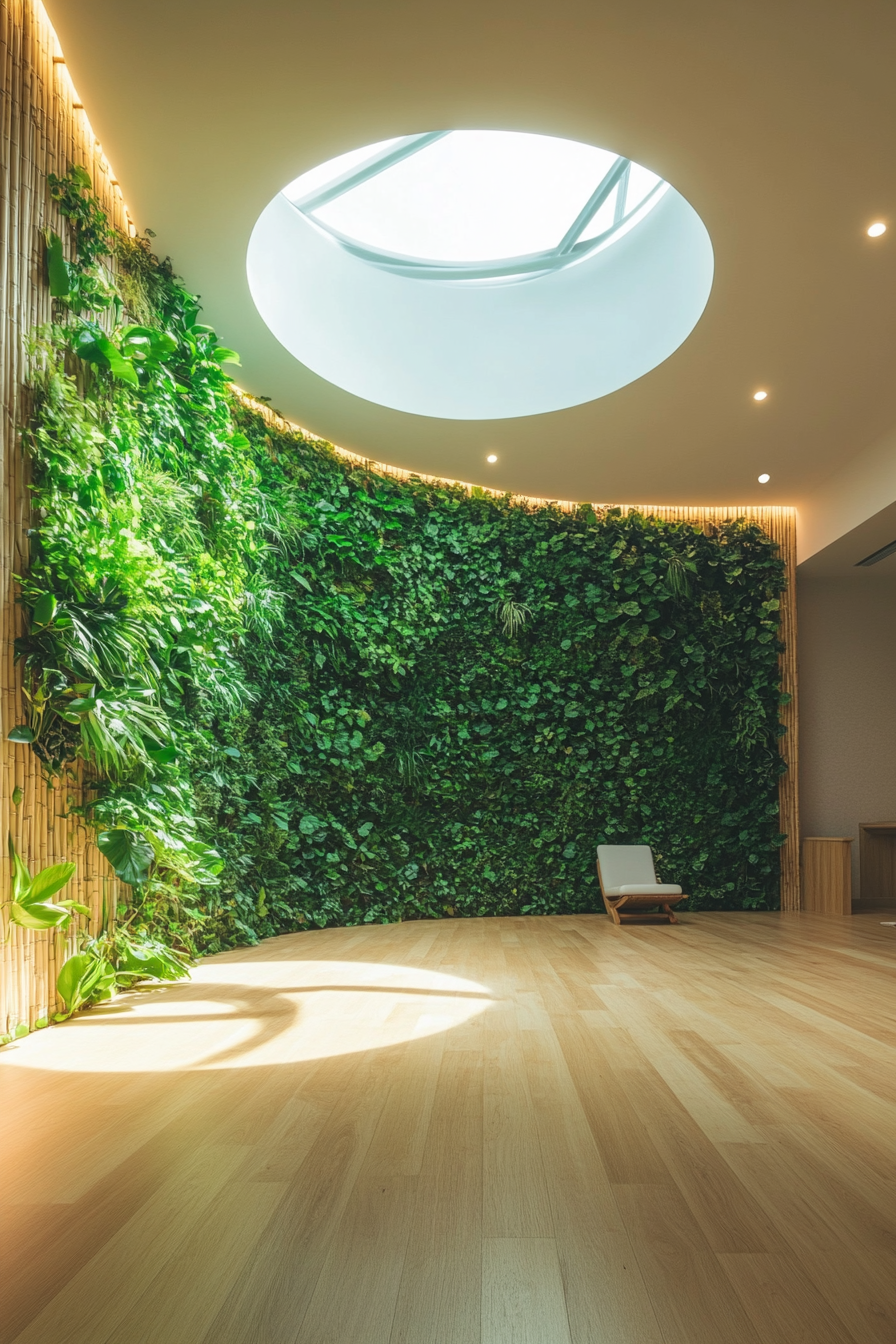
{"points": [[269, 1299], [515, 1195], [185, 1294], [369, 1241], [522, 1292], [692, 1297], [623, 1141], [729, 1218], [784, 1306], [106, 1290], [847, 1273], [439, 1295], [606, 1298]]}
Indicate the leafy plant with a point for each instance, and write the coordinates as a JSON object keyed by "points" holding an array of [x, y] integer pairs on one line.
{"points": [[104, 965], [29, 903], [513, 616], [87, 977], [147, 959]]}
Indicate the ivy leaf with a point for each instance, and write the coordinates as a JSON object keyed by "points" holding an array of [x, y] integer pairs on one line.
{"points": [[81, 704], [147, 958], [21, 733], [147, 345], [128, 852]]}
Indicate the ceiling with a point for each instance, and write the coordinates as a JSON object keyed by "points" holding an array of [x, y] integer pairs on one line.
{"points": [[842, 558], [774, 120]]}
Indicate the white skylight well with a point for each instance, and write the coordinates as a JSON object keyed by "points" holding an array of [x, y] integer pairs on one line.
{"points": [[480, 274]]}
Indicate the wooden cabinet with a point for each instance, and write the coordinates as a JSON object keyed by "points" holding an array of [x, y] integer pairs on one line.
{"points": [[877, 857], [827, 875]]}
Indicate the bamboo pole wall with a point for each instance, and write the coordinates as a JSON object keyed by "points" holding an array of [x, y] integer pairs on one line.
{"points": [[44, 129]]}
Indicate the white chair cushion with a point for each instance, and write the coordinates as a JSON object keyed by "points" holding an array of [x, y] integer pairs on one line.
{"points": [[627, 870], [646, 889], [624, 865]]}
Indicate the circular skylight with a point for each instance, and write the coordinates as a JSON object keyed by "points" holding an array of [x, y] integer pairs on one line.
{"points": [[480, 274]]}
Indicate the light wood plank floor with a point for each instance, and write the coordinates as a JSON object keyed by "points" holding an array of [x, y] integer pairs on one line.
{"points": [[510, 1131]]}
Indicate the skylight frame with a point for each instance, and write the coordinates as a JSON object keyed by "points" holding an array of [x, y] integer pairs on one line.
{"points": [[568, 251]]}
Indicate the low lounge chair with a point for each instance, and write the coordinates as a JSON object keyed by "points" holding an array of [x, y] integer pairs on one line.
{"points": [[629, 887]]}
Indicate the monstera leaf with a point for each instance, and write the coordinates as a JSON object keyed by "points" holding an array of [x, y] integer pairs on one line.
{"points": [[129, 854]]}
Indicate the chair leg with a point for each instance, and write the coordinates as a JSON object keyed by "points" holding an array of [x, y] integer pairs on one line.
{"points": [[671, 913]]}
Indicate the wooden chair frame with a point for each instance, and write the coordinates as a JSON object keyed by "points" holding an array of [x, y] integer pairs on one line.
{"points": [[637, 909]]}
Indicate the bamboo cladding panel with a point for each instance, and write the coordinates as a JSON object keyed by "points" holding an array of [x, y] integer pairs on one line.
{"points": [[44, 130]]}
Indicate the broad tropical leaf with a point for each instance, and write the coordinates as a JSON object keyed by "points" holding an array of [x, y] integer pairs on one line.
{"points": [[50, 880], [129, 854], [39, 915]]}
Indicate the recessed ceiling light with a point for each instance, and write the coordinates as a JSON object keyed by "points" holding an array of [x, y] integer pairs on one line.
{"points": [[492, 457], [877, 229], [760, 395], [764, 478]]}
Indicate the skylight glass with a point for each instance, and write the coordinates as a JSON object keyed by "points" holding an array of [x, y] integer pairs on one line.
{"points": [[471, 204], [479, 274]]}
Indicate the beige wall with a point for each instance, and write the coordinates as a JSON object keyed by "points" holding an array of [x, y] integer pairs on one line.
{"points": [[847, 677]]}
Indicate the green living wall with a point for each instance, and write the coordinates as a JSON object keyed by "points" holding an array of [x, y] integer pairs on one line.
{"points": [[308, 694]]}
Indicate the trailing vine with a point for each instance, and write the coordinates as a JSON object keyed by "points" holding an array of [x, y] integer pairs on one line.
{"points": [[306, 694]]}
